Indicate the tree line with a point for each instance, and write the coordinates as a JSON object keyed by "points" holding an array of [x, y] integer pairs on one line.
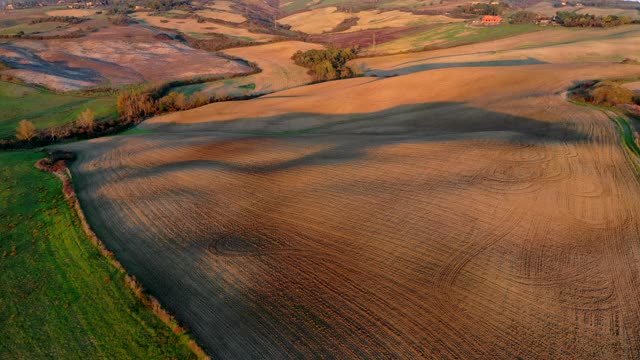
{"points": [[71, 20], [571, 19], [133, 106]]}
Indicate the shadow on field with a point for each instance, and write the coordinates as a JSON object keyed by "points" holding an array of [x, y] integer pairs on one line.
{"points": [[27, 60], [196, 265], [344, 137], [434, 66]]}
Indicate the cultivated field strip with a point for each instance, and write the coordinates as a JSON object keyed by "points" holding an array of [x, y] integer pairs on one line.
{"points": [[464, 223]]}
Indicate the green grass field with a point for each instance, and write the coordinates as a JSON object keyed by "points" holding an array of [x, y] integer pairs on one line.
{"points": [[46, 109], [60, 298], [457, 34]]}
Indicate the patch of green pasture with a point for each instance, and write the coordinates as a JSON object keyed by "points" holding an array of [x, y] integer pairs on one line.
{"points": [[456, 34], [46, 109], [60, 297]]}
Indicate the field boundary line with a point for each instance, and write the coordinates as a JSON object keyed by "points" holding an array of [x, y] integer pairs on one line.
{"points": [[56, 164], [626, 133]]}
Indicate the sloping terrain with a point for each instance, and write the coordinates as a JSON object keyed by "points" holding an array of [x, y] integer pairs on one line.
{"points": [[554, 45], [278, 71], [46, 109], [192, 26], [113, 56], [450, 212], [60, 297], [325, 19]]}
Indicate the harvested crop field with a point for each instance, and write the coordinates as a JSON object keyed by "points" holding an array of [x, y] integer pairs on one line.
{"points": [[554, 45], [278, 71], [376, 19], [222, 15], [192, 26], [452, 212], [323, 20], [365, 38], [451, 35], [315, 21], [113, 56]]}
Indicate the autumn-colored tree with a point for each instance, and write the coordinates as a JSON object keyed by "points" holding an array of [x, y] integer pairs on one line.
{"points": [[198, 99], [87, 120], [172, 102], [133, 105], [26, 131]]}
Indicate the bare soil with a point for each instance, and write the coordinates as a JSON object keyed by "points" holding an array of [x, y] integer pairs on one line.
{"points": [[114, 56], [449, 212]]}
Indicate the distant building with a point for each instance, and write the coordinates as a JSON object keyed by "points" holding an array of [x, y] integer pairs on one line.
{"points": [[491, 20]]}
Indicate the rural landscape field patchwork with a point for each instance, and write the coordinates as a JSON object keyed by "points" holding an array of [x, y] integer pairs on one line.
{"points": [[264, 179]]}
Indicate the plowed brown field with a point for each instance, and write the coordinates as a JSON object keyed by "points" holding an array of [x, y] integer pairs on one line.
{"points": [[112, 56], [464, 212]]}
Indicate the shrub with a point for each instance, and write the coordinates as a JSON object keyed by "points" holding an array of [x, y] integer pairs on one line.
{"points": [[611, 95], [198, 99], [172, 102], [120, 20], [87, 120], [346, 24], [26, 131]]}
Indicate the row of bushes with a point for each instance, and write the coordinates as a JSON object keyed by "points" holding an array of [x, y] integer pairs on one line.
{"points": [[156, 99], [166, 5], [133, 106], [84, 127], [72, 20], [70, 35], [483, 9], [346, 24], [571, 19], [329, 64], [215, 42]]}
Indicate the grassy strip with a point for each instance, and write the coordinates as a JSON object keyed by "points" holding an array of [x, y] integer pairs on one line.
{"points": [[60, 298], [628, 138]]}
